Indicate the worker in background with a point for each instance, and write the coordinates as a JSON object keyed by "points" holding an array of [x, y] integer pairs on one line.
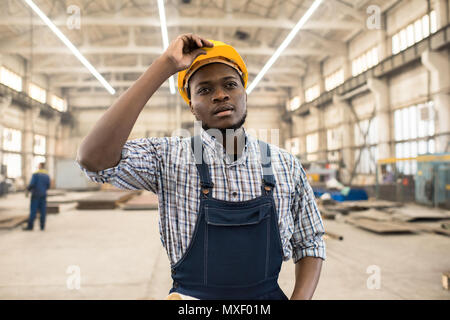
{"points": [[230, 217], [39, 184], [387, 174]]}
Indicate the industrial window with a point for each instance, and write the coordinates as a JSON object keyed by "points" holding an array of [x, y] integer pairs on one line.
{"points": [[367, 148], [334, 143], [58, 103], [293, 146], [335, 79], [414, 32], [39, 144], [363, 126], [312, 92], [13, 163], [365, 61], [367, 161], [413, 122], [12, 140], [10, 79], [294, 103], [312, 142], [414, 129], [36, 161], [334, 139], [37, 93]]}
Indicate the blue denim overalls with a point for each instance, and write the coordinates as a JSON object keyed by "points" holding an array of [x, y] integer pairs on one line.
{"points": [[236, 250]]}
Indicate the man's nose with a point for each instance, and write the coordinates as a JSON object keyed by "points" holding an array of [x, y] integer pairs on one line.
{"points": [[220, 95]]}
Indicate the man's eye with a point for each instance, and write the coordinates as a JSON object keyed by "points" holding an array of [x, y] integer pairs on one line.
{"points": [[202, 90], [232, 83]]}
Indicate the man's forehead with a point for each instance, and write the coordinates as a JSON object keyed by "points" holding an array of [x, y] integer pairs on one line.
{"points": [[223, 71]]}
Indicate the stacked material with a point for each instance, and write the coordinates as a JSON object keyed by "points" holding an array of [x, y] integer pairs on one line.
{"points": [[145, 201], [105, 200], [416, 213], [55, 208], [11, 222], [55, 192], [64, 201], [381, 226], [384, 217]]}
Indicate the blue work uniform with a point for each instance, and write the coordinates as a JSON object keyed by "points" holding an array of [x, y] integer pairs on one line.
{"points": [[40, 182]]}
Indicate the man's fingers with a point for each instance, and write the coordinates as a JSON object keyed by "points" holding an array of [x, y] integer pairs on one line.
{"points": [[192, 40], [207, 43], [198, 52]]}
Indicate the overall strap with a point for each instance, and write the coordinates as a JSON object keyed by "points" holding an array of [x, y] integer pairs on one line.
{"points": [[202, 167], [266, 163]]}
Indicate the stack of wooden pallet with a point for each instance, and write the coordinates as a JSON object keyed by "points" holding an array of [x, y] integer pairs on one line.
{"points": [[401, 220], [385, 217], [105, 200], [12, 221], [145, 201]]}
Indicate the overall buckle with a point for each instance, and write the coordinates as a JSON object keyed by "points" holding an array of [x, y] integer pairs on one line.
{"points": [[206, 187]]}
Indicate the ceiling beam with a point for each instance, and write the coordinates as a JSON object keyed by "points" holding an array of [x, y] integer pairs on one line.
{"points": [[53, 50], [119, 83], [141, 69], [186, 22]]}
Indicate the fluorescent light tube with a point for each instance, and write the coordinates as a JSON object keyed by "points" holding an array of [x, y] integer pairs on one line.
{"points": [[283, 46], [165, 38], [72, 48]]}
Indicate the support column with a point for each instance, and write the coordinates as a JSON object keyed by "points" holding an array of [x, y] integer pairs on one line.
{"points": [[380, 91], [52, 137], [383, 50], [323, 146], [347, 65], [442, 12], [347, 141], [31, 116], [298, 131], [5, 103], [439, 66]]}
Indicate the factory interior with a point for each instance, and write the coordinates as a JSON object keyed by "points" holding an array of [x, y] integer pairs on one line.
{"points": [[358, 91]]}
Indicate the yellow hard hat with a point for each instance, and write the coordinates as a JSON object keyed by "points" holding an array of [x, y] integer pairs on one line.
{"points": [[222, 53]]}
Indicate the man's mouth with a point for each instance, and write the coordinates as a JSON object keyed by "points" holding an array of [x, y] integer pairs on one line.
{"points": [[224, 111]]}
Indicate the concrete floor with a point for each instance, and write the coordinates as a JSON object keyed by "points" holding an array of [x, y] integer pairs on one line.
{"points": [[120, 256]]}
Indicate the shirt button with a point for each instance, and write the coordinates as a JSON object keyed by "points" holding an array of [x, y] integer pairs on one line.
{"points": [[234, 194]]}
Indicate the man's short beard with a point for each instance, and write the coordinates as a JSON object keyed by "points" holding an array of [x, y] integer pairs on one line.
{"points": [[236, 126]]}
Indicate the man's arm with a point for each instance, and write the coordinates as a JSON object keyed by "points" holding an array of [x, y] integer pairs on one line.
{"points": [[307, 273], [307, 242], [102, 147]]}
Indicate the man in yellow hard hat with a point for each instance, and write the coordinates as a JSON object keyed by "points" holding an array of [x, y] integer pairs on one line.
{"points": [[232, 207]]}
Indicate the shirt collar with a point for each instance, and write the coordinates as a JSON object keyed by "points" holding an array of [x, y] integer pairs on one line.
{"points": [[217, 150]]}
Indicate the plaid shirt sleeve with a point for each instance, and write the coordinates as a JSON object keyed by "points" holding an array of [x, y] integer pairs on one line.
{"points": [[138, 168], [308, 226]]}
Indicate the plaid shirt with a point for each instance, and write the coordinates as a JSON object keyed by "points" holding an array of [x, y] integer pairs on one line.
{"points": [[166, 166]]}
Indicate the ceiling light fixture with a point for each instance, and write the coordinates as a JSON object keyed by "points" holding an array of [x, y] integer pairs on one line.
{"points": [[165, 38], [69, 44], [283, 46]]}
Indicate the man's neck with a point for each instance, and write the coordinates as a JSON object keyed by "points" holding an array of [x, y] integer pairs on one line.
{"points": [[233, 141]]}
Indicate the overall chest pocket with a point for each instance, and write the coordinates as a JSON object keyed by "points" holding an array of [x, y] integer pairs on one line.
{"points": [[237, 245]]}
